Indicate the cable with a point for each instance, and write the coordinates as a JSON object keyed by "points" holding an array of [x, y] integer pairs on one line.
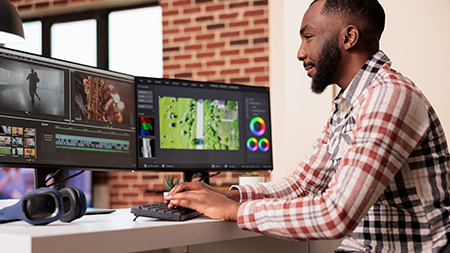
{"points": [[64, 179], [209, 176], [52, 176]]}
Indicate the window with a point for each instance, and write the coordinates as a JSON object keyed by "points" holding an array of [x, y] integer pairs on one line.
{"points": [[135, 42], [33, 38], [127, 40], [75, 41]]}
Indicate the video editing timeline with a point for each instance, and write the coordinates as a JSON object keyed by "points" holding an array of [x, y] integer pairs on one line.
{"points": [[66, 114], [92, 144], [185, 125]]}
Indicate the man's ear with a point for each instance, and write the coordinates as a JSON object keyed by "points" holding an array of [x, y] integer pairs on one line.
{"points": [[351, 36]]}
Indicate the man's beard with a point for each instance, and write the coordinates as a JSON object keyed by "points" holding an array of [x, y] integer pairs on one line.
{"points": [[326, 66]]}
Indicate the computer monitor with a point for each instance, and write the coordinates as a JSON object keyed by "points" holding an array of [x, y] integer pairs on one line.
{"points": [[58, 114], [193, 126]]}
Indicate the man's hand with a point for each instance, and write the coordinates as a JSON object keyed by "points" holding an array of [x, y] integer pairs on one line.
{"points": [[205, 199]]}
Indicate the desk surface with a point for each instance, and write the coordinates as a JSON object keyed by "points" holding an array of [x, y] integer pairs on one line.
{"points": [[116, 232]]}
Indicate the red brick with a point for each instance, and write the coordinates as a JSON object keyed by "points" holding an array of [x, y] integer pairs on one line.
{"points": [[240, 80], [215, 26], [254, 50], [60, 3], [254, 13], [229, 72], [206, 55], [169, 13], [193, 47], [239, 42], [173, 66], [229, 16], [170, 31], [262, 79], [182, 21], [42, 5], [216, 45], [183, 75], [182, 57], [130, 177], [130, 195], [119, 186], [171, 49], [192, 29], [263, 21], [238, 5], [254, 31], [261, 59], [205, 18], [140, 186], [260, 3], [206, 73], [193, 65], [217, 80], [215, 63], [261, 40], [182, 39], [24, 7], [192, 10], [229, 52], [181, 3], [205, 37], [215, 7], [254, 70], [230, 34], [240, 61], [239, 24]]}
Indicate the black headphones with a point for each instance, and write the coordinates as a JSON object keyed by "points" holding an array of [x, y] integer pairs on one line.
{"points": [[45, 205]]}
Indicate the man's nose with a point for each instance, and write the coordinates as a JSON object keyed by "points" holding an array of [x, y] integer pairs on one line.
{"points": [[301, 54]]}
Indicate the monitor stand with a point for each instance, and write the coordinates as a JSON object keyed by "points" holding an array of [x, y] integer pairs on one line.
{"points": [[204, 176], [41, 174]]}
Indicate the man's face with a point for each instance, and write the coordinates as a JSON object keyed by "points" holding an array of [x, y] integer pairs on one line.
{"points": [[319, 50]]}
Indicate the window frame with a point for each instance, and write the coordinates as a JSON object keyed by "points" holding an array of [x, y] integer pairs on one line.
{"points": [[100, 15]]}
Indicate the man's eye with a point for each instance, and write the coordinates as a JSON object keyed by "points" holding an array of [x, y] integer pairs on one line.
{"points": [[307, 37]]}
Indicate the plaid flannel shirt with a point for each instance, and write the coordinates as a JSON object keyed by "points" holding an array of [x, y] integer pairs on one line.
{"points": [[378, 175]]}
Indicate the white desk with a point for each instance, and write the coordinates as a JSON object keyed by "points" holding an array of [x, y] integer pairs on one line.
{"points": [[117, 232]]}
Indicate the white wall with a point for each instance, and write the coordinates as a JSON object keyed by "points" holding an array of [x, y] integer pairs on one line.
{"points": [[417, 39], [298, 116]]}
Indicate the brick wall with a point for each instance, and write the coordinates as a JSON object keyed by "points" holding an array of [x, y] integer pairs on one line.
{"points": [[205, 40]]}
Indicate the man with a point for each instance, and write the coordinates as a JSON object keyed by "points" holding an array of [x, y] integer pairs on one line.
{"points": [[379, 173], [33, 79]]}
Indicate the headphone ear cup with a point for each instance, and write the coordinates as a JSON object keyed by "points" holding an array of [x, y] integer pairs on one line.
{"points": [[74, 203]]}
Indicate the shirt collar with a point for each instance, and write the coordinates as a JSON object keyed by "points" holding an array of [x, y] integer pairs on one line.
{"points": [[363, 78]]}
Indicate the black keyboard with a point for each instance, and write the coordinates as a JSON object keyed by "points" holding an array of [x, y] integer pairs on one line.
{"points": [[161, 211]]}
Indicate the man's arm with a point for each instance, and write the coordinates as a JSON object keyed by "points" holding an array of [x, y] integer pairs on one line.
{"points": [[309, 178], [214, 203], [389, 125]]}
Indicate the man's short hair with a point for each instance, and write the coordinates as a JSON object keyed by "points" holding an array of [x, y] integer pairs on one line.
{"points": [[367, 15]]}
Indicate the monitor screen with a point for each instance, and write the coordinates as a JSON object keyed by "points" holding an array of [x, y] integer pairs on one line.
{"points": [[60, 114], [189, 125]]}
